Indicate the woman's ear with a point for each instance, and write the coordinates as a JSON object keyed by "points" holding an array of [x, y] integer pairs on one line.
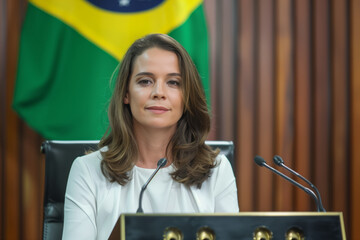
{"points": [[126, 98]]}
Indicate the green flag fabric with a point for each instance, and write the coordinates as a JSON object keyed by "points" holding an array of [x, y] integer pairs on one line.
{"points": [[69, 50]]}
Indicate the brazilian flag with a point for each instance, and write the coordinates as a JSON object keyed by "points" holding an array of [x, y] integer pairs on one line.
{"points": [[69, 50]]}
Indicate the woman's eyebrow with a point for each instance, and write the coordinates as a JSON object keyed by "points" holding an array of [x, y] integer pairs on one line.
{"points": [[144, 74], [174, 74], [151, 74]]}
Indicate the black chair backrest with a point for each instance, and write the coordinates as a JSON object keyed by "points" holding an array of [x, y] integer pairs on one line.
{"points": [[59, 156]]}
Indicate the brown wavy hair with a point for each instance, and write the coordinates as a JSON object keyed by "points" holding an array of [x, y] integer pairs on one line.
{"points": [[192, 158]]}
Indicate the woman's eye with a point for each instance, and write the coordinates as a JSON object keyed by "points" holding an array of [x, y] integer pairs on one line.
{"points": [[174, 83], [145, 82]]}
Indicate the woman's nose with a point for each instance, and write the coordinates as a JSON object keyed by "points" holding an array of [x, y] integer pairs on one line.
{"points": [[158, 90]]}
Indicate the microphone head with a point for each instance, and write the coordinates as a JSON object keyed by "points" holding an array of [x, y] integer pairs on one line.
{"points": [[259, 160], [162, 162], [278, 160]]}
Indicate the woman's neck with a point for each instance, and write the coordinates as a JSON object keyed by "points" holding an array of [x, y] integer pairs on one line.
{"points": [[152, 144]]}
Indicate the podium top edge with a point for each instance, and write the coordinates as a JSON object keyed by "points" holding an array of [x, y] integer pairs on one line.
{"points": [[270, 214]]}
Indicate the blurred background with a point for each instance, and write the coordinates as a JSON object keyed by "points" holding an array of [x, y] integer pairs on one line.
{"points": [[283, 78]]}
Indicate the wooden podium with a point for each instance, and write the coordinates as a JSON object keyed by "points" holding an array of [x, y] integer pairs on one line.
{"points": [[246, 225]]}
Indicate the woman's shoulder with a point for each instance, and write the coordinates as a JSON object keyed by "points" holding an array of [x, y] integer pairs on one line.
{"points": [[222, 162], [89, 162], [90, 157], [223, 170], [222, 174]]}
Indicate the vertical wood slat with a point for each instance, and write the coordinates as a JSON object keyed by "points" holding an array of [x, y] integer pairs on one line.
{"points": [[246, 105], [32, 172], [302, 104], [227, 80], [3, 20], [284, 98], [321, 98], [355, 118], [217, 61], [340, 109], [11, 171], [218, 56], [212, 18], [11, 176], [265, 103]]}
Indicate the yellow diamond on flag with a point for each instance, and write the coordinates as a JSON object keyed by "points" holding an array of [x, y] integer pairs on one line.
{"points": [[114, 31]]}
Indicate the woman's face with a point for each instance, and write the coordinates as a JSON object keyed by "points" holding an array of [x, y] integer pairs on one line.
{"points": [[154, 93]]}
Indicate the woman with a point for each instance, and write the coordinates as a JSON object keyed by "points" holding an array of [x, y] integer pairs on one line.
{"points": [[158, 109]]}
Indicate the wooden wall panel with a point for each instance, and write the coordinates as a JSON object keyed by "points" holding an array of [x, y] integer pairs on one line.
{"points": [[10, 219], [340, 107], [2, 111], [32, 183], [222, 31], [22, 170], [354, 159], [264, 131], [284, 99], [212, 16], [303, 98], [321, 104], [294, 85], [226, 79], [245, 140]]}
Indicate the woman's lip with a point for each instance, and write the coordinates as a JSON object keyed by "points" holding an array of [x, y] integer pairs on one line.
{"points": [[157, 108]]}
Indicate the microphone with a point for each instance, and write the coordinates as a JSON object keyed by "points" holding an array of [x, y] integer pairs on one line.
{"points": [[161, 163], [261, 162], [280, 162]]}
